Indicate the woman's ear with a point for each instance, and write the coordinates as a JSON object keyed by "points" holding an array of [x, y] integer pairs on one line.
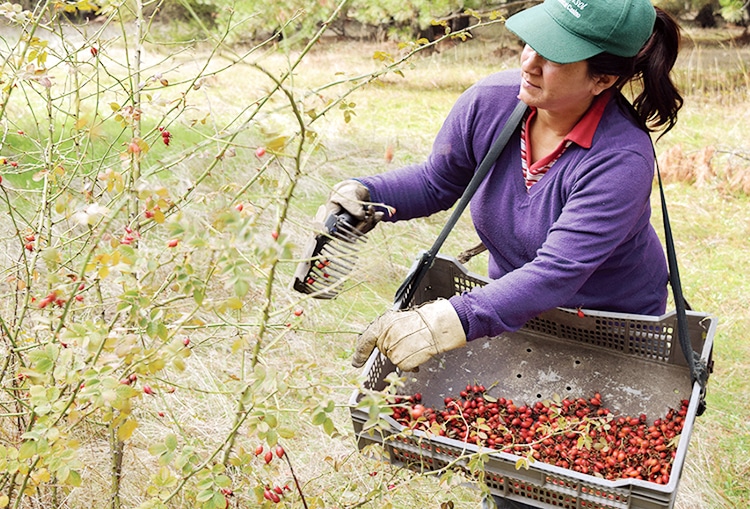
{"points": [[602, 82]]}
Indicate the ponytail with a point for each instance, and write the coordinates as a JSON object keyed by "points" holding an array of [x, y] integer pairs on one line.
{"points": [[657, 105]]}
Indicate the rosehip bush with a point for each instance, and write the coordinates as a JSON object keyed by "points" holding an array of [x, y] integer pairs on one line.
{"points": [[148, 245]]}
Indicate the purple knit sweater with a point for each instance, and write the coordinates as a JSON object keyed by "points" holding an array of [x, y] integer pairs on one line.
{"points": [[581, 236]]}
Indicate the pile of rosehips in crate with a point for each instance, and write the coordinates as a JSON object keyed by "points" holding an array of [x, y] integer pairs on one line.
{"points": [[579, 434]]}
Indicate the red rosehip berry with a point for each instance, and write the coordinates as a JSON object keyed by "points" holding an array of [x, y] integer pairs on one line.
{"points": [[260, 151], [173, 243], [417, 411]]}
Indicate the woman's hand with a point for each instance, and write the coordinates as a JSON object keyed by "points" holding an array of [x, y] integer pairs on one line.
{"points": [[352, 196], [410, 338]]}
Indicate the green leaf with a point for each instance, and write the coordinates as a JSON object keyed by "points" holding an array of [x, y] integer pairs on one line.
{"points": [[241, 287], [319, 418], [329, 427], [27, 450], [171, 442], [74, 479], [198, 296], [204, 495], [286, 432], [218, 501], [157, 449]]}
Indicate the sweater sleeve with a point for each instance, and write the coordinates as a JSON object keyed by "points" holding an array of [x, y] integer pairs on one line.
{"points": [[600, 221], [466, 135]]}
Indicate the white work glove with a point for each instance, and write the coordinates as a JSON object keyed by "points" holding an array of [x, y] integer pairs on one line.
{"points": [[352, 196], [410, 338]]}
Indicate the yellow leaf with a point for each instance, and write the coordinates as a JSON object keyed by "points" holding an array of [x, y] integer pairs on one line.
{"points": [[159, 216], [234, 303], [179, 364], [114, 106], [143, 145], [277, 144], [4, 501], [126, 429], [41, 476]]}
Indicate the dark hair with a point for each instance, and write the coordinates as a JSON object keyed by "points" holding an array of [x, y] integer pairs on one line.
{"points": [[657, 105]]}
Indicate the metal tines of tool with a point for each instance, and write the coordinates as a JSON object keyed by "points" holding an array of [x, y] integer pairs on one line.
{"points": [[331, 255]]}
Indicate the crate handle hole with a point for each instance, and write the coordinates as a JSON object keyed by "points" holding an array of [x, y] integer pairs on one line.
{"points": [[577, 361], [568, 388], [528, 350], [538, 396], [519, 375]]}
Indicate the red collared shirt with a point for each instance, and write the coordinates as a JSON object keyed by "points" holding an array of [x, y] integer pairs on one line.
{"points": [[581, 134]]}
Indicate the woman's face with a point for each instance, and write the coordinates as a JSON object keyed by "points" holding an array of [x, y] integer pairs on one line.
{"points": [[558, 88]]}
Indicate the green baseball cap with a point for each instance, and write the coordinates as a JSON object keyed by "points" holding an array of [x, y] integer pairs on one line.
{"points": [[566, 31]]}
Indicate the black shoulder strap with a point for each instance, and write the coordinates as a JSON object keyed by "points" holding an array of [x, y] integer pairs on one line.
{"points": [[698, 368], [405, 292]]}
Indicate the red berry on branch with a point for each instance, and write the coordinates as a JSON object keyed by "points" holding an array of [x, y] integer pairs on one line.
{"points": [[260, 151]]}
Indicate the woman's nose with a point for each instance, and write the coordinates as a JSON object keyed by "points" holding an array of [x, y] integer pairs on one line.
{"points": [[530, 59]]}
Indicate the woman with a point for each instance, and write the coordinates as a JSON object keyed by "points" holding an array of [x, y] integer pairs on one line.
{"points": [[565, 211]]}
